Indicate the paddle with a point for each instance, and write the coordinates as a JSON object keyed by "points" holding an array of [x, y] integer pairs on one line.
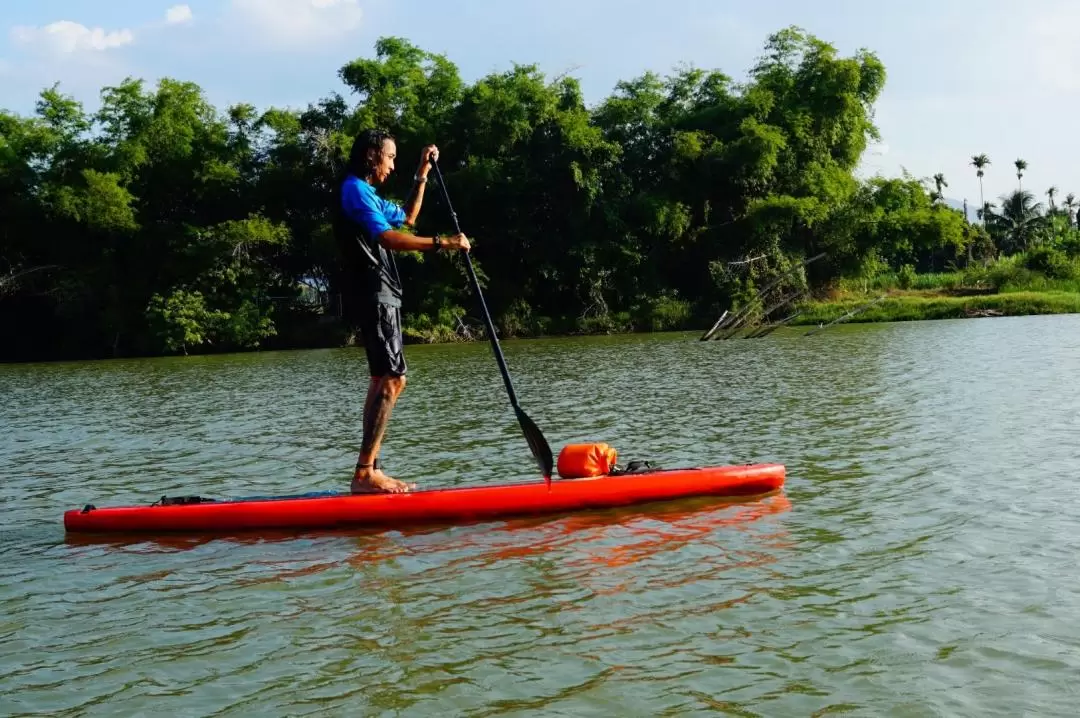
{"points": [[537, 444]]}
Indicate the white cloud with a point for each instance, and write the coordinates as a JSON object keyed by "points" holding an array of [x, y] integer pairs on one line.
{"points": [[178, 14], [66, 37], [297, 21]]}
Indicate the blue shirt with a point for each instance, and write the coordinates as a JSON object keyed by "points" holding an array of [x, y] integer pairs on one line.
{"points": [[374, 215]]}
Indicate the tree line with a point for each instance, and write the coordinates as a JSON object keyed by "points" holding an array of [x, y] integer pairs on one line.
{"points": [[161, 224]]}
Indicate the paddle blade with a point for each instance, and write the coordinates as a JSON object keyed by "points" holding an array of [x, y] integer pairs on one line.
{"points": [[537, 444]]}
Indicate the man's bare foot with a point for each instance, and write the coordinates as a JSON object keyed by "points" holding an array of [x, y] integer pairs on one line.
{"points": [[374, 481]]}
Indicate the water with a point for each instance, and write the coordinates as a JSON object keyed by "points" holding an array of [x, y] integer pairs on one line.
{"points": [[920, 561]]}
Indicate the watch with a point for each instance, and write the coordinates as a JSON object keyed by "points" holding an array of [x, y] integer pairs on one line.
{"points": [[437, 241], [419, 180]]}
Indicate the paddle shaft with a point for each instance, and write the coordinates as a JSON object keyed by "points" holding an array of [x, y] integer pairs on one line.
{"points": [[533, 436], [479, 295]]}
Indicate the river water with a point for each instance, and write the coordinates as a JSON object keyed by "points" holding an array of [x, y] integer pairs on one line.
{"points": [[920, 560]]}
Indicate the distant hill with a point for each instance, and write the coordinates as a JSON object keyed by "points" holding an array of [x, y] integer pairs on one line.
{"points": [[972, 208], [959, 205]]}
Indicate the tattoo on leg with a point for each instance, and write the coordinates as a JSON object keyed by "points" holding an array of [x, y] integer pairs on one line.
{"points": [[373, 388], [377, 417], [372, 392]]}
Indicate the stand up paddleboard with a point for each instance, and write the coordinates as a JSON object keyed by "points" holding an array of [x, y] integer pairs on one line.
{"points": [[331, 510]]}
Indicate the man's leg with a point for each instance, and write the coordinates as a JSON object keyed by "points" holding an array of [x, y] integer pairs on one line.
{"points": [[372, 390], [383, 394], [387, 361]]}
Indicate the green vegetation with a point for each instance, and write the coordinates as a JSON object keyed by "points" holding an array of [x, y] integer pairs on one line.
{"points": [[162, 224], [1044, 279], [911, 307]]}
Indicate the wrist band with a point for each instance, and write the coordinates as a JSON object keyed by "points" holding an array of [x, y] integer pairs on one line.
{"points": [[437, 241]]}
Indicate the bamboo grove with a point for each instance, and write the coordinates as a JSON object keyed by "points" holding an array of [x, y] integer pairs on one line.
{"points": [[161, 224]]}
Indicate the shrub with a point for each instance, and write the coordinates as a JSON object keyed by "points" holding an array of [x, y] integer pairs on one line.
{"points": [[906, 276], [1051, 261], [661, 314]]}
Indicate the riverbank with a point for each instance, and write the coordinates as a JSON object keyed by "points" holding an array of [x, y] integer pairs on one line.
{"points": [[887, 304], [1041, 281], [901, 306], [931, 297]]}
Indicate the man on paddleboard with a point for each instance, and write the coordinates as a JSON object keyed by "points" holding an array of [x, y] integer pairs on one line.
{"points": [[367, 231]]}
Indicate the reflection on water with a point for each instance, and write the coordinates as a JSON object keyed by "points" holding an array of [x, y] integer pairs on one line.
{"points": [[456, 603], [917, 562]]}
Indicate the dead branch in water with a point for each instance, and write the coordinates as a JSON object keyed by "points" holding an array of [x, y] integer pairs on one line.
{"points": [[853, 312]]}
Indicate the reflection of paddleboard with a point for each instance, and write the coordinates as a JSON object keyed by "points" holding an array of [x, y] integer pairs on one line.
{"points": [[328, 510]]}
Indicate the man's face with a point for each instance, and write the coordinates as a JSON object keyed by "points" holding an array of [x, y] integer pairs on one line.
{"points": [[383, 162]]}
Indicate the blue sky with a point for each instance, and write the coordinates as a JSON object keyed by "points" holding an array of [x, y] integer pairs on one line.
{"points": [[963, 76]]}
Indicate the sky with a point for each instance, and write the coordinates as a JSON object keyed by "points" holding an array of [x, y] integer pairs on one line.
{"points": [[964, 76]]}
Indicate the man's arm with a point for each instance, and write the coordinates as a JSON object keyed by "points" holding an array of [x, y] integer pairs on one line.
{"points": [[393, 216], [416, 196], [404, 242], [380, 219]]}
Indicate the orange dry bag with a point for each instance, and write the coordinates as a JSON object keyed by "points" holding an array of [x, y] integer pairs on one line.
{"points": [[579, 461]]}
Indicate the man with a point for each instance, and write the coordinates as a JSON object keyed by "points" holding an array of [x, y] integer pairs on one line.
{"points": [[367, 232]]}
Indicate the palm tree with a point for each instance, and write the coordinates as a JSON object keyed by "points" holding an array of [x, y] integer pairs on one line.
{"points": [[939, 182], [1070, 205], [1020, 218], [1021, 165], [987, 216], [1050, 193], [980, 161]]}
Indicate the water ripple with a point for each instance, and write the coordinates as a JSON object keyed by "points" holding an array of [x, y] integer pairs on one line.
{"points": [[918, 563]]}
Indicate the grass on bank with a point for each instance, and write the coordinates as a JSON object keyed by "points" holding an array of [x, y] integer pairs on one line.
{"points": [[1039, 270], [913, 307], [1042, 280]]}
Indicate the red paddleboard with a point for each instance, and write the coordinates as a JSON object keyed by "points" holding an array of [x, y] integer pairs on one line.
{"points": [[329, 510]]}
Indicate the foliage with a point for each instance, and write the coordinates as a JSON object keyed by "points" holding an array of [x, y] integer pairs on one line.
{"points": [[160, 223]]}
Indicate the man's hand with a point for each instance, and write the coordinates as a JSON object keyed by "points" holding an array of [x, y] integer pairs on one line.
{"points": [[429, 153], [458, 241]]}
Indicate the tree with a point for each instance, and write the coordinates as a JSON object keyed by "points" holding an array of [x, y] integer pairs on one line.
{"points": [[160, 223], [939, 182], [980, 161], [821, 105], [898, 222], [1021, 165], [1016, 227]]}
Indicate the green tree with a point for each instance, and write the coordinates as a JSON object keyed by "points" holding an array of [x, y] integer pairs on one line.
{"points": [[939, 183], [1021, 165], [980, 161], [1017, 226], [160, 223]]}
